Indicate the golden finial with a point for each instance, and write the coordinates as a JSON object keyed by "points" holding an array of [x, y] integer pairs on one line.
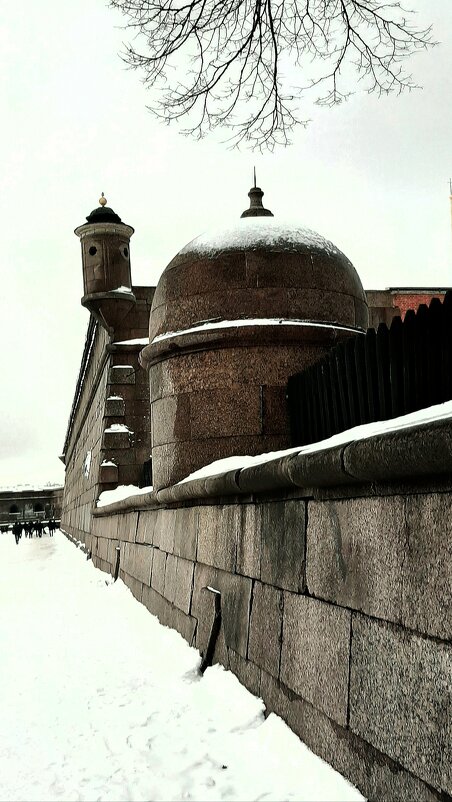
{"points": [[102, 200]]}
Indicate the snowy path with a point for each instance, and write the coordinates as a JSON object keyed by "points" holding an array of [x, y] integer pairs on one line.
{"points": [[98, 701]]}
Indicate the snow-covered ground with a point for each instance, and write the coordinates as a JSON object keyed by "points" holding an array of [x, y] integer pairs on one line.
{"points": [[98, 701]]}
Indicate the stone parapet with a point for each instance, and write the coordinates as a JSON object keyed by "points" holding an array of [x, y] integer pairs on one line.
{"points": [[335, 596]]}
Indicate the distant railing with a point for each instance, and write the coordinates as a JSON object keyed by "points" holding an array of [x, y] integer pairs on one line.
{"points": [[377, 376]]}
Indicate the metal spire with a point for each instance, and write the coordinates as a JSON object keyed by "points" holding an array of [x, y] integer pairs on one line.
{"points": [[256, 207]]}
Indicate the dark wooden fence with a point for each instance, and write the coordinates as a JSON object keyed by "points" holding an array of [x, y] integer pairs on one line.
{"points": [[376, 376]]}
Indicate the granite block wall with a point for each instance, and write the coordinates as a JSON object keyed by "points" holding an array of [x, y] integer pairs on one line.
{"points": [[83, 451], [112, 391], [335, 610]]}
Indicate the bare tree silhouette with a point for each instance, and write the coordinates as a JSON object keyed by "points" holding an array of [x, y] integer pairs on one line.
{"points": [[233, 63]]}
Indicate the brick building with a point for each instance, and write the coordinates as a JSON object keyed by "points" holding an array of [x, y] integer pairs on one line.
{"points": [[30, 503], [386, 304]]}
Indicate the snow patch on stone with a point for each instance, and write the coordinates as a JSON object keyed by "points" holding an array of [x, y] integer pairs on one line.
{"points": [[118, 427], [120, 493], [134, 341], [87, 464], [263, 321], [248, 233]]}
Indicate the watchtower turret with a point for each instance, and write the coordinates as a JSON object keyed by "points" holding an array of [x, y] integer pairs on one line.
{"points": [[107, 282]]}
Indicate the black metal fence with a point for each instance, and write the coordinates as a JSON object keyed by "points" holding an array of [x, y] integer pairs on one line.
{"points": [[376, 376]]}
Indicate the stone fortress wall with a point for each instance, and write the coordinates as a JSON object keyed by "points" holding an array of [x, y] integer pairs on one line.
{"points": [[82, 452], [333, 567], [112, 390], [335, 597]]}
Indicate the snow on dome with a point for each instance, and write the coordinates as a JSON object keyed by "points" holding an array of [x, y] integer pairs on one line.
{"points": [[253, 232]]}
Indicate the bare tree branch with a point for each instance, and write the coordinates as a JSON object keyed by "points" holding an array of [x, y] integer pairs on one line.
{"points": [[229, 63]]}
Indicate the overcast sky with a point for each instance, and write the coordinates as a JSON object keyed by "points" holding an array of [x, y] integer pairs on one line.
{"points": [[371, 175]]}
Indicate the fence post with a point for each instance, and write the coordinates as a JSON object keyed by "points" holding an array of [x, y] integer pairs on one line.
{"points": [[360, 371], [352, 385], [446, 335], [342, 381], [384, 387], [370, 353], [435, 346], [421, 357], [409, 361], [395, 366]]}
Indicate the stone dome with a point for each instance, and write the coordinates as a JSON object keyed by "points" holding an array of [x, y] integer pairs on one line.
{"points": [[235, 313], [258, 267]]}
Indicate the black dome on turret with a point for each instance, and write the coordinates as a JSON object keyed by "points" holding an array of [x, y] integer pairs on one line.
{"points": [[103, 214]]}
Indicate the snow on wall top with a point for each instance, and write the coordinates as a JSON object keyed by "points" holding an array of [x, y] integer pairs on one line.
{"points": [[244, 322], [21, 488], [251, 232]]}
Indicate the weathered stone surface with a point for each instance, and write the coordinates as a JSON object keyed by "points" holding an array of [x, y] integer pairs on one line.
{"points": [[101, 564], [315, 653], [158, 571], [389, 557], [108, 474], [164, 530], [355, 552], [147, 521], [249, 543], [427, 566], [247, 673], [414, 451], [283, 528], [286, 298], [269, 477], [114, 407], [203, 609], [378, 777], [114, 550], [136, 560], [218, 529], [152, 600], [361, 314], [319, 468], [169, 615], [98, 526], [221, 413], [235, 606], [184, 584], [129, 475], [134, 584], [275, 413], [116, 439], [173, 462], [186, 532], [101, 549], [169, 590], [121, 374], [264, 646], [216, 369], [333, 306], [127, 526], [170, 419], [400, 697], [106, 526]]}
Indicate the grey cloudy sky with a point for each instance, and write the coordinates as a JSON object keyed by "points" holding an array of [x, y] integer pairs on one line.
{"points": [[370, 175]]}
